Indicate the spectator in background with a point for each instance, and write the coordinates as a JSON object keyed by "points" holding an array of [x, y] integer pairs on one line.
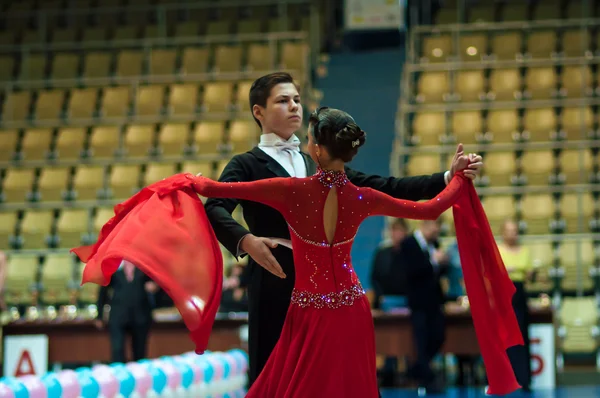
{"points": [[388, 277], [518, 263], [131, 307], [3, 275], [234, 297], [425, 264], [456, 289]]}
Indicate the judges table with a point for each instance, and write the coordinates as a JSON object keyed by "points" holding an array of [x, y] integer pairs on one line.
{"points": [[81, 342]]}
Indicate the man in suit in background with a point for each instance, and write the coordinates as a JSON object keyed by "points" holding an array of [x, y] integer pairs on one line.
{"points": [[388, 277], [425, 263], [131, 305], [276, 108]]}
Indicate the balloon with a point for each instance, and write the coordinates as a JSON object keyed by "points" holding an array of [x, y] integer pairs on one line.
{"points": [[18, 388], [90, 388], [109, 384], [69, 384], [217, 366], [234, 367], [172, 373], [126, 380], [53, 387], [6, 391], [143, 379], [226, 366], [207, 370], [187, 374], [196, 369], [159, 378], [34, 386], [241, 357]]}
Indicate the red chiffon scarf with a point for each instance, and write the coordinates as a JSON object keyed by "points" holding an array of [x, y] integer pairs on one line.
{"points": [[164, 231], [489, 289]]}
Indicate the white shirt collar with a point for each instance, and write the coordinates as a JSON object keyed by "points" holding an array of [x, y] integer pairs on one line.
{"points": [[269, 139]]}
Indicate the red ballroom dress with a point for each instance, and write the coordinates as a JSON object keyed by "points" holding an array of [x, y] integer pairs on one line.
{"points": [[327, 346]]}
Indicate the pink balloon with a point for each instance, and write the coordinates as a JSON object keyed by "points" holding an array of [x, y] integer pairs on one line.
{"points": [[109, 384], [5, 391], [233, 365], [217, 366], [69, 383], [143, 378], [173, 375], [34, 386]]}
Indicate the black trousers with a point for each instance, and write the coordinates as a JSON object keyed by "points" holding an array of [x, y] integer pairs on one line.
{"points": [[429, 328], [520, 356], [139, 340]]}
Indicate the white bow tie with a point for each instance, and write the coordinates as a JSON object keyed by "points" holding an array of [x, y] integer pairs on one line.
{"points": [[283, 146]]}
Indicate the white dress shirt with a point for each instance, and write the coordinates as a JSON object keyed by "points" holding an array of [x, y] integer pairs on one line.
{"points": [[427, 247], [286, 153]]}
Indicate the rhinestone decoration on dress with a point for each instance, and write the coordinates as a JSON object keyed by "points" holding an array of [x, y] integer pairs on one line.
{"points": [[331, 300], [329, 178]]}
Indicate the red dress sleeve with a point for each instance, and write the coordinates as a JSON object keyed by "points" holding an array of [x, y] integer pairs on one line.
{"points": [[271, 191], [164, 231], [488, 286], [385, 205]]}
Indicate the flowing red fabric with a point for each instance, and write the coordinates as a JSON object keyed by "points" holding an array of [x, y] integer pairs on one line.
{"points": [[164, 231], [489, 289]]}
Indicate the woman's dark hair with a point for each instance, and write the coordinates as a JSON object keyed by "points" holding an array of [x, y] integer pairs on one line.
{"points": [[337, 131]]}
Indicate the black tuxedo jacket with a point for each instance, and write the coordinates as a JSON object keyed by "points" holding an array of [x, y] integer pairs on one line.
{"points": [[129, 302], [424, 290], [268, 295], [388, 273]]}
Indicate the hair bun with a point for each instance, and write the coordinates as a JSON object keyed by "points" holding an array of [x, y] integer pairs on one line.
{"points": [[352, 134]]}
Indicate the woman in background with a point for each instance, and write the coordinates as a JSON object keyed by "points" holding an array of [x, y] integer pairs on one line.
{"points": [[517, 260]]}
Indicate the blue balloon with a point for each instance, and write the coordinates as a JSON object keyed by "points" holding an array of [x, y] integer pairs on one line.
{"points": [[207, 370], [226, 366], [187, 374], [83, 369], [17, 387], [126, 380], [159, 378], [52, 385], [89, 385]]}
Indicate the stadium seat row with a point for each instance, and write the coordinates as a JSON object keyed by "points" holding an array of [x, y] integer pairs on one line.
{"points": [[127, 63], [507, 11], [534, 167], [506, 84], [86, 182], [508, 45], [504, 125], [186, 99], [131, 141]]}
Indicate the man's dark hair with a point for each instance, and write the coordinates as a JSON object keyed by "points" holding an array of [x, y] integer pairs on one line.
{"points": [[261, 89]]}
